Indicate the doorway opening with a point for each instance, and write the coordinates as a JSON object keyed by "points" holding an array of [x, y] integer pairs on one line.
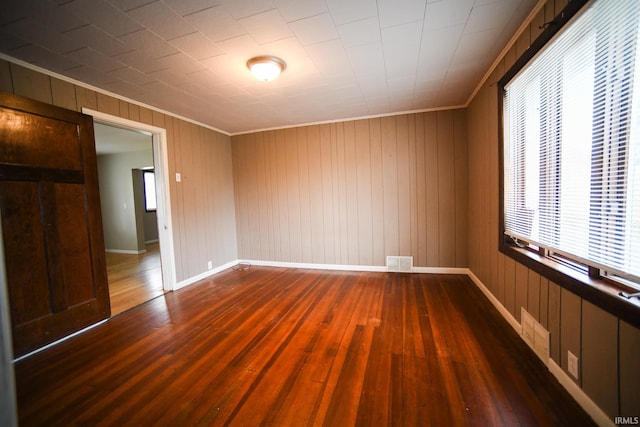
{"points": [[136, 216]]}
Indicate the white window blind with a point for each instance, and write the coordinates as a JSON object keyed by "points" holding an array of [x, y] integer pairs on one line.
{"points": [[572, 142]]}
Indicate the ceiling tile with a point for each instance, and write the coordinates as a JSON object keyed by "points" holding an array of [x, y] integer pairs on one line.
{"points": [[266, 27], [292, 10], [486, 17], [90, 75], [139, 60], [131, 76], [34, 32], [315, 29], [196, 45], [243, 47], [95, 59], [447, 13], [359, 32], [393, 12], [180, 63], [330, 58], [216, 23], [287, 49], [183, 8], [243, 9], [350, 11], [103, 15], [162, 20], [437, 48], [367, 62], [98, 39], [42, 57], [401, 45], [55, 17], [148, 42]]}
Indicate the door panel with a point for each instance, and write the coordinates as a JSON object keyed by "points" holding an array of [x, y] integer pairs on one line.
{"points": [[54, 246]]}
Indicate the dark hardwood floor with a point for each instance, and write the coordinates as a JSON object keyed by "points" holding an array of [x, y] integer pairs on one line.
{"points": [[284, 347]]}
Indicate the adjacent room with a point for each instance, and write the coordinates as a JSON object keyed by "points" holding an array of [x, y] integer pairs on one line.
{"points": [[320, 212]]}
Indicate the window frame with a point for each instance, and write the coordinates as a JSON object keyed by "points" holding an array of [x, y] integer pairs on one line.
{"points": [[144, 188], [589, 284]]}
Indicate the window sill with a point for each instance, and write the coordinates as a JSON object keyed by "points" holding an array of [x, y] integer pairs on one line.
{"points": [[600, 292]]}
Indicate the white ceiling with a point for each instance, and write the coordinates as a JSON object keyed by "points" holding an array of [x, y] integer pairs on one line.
{"points": [[345, 58]]}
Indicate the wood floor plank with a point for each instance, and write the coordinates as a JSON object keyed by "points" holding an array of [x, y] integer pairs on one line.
{"points": [[271, 346], [133, 279]]}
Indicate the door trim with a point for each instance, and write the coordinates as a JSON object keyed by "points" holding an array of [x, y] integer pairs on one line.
{"points": [[161, 165], [8, 403]]}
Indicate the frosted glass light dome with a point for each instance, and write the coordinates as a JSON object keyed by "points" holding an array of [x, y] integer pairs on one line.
{"points": [[266, 68]]}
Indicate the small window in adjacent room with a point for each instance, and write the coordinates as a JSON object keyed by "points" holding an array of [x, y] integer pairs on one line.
{"points": [[149, 179], [571, 144]]}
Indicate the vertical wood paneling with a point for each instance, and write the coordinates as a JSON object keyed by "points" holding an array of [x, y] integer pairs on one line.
{"points": [[283, 206], [252, 193], [377, 191], [553, 325], [629, 368], [390, 186], [353, 192], [421, 191], [404, 188], [521, 288], [510, 287], [600, 357], [413, 184], [533, 295], [63, 94], [341, 195], [31, 84], [363, 192], [107, 104], [460, 186], [446, 190], [328, 218], [570, 317], [432, 191], [292, 182], [6, 85], [86, 98], [305, 208]]}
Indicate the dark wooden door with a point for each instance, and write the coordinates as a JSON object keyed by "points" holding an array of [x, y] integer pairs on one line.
{"points": [[51, 222]]}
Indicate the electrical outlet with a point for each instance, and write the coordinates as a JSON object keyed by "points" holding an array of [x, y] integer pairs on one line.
{"points": [[572, 362], [210, 265]]}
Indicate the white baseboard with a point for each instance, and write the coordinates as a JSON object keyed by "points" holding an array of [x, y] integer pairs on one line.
{"points": [[125, 251], [204, 275], [147, 242], [580, 396], [348, 267], [497, 304]]}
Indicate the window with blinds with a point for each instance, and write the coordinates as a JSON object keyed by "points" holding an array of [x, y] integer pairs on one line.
{"points": [[571, 121]]}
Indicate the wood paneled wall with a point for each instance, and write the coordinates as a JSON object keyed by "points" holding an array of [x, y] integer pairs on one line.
{"points": [[202, 205], [353, 192], [606, 346]]}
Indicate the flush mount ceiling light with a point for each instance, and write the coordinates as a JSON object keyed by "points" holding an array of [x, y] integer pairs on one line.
{"points": [[266, 68]]}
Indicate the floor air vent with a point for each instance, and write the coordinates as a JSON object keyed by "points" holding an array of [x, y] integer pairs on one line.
{"points": [[400, 264]]}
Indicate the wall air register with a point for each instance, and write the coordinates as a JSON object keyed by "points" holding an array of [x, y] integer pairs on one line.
{"points": [[400, 264]]}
